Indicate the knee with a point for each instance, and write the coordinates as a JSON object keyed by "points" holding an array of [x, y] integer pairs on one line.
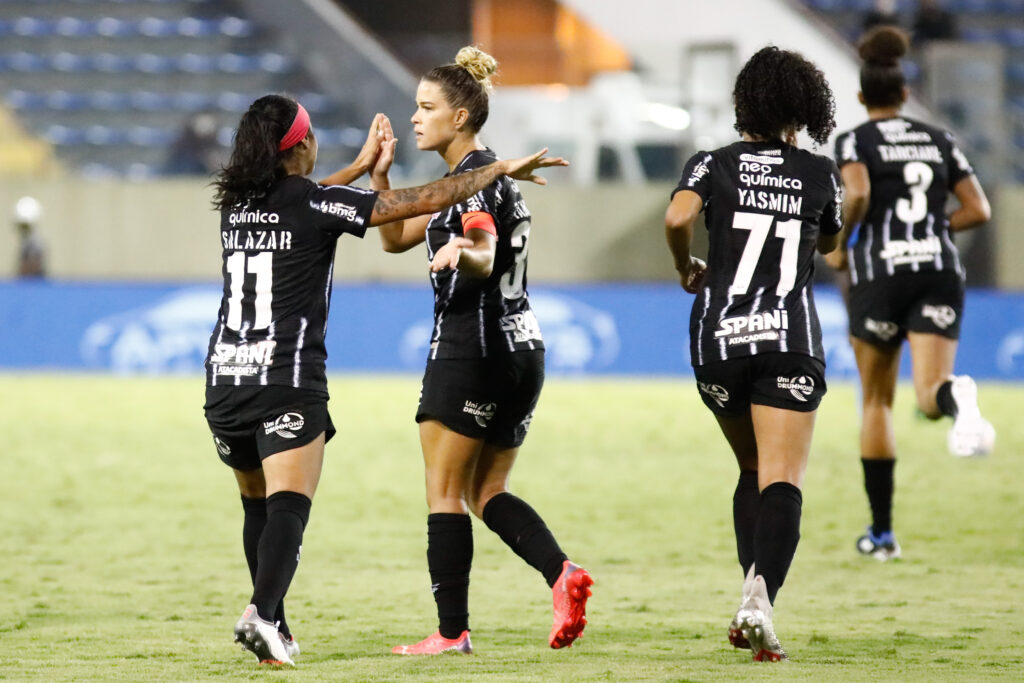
{"points": [[478, 500]]}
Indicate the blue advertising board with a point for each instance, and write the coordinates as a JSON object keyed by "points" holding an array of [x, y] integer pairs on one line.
{"points": [[639, 329]]}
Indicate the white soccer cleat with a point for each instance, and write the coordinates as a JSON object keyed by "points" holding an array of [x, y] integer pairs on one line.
{"points": [[736, 637], [261, 638], [291, 646], [971, 434], [755, 621]]}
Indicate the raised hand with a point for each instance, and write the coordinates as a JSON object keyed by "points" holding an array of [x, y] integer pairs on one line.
{"points": [[523, 168], [448, 255], [367, 156], [381, 166]]}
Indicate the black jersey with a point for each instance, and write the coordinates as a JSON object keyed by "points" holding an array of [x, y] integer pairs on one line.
{"points": [[278, 260], [765, 204], [912, 167], [474, 317]]}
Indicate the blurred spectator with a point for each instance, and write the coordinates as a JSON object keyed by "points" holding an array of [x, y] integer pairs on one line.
{"points": [[883, 13], [31, 251], [196, 151], [933, 23]]}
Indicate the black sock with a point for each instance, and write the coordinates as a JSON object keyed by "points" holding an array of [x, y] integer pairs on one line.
{"points": [[777, 535], [252, 529], [525, 532], [278, 553], [450, 557], [878, 482], [944, 399], [746, 502]]}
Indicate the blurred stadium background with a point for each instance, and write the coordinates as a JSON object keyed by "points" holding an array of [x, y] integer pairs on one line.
{"points": [[114, 113]]}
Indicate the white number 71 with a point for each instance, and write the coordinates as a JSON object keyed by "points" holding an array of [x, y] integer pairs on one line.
{"points": [[759, 224]]}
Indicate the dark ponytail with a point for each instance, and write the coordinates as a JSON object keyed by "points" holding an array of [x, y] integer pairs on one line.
{"points": [[881, 78], [256, 162]]}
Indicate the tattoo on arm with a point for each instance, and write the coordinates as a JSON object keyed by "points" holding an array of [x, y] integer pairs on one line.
{"points": [[395, 205]]}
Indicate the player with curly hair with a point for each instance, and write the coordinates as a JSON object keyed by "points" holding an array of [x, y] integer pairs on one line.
{"points": [[906, 279], [755, 339], [485, 367], [266, 387]]}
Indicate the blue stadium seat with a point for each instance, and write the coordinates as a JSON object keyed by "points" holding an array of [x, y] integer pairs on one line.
{"points": [[69, 62], [23, 62], [970, 6], [150, 136], [63, 100], [73, 27], [1013, 37], [107, 62], [974, 34], [1015, 72], [192, 101], [106, 100], [151, 63], [196, 64], [64, 135], [147, 100], [113, 27], [24, 100]]}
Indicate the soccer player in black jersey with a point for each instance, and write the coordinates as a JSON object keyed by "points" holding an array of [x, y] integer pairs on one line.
{"points": [[755, 340], [266, 388], [906, 279], [485, 367]]}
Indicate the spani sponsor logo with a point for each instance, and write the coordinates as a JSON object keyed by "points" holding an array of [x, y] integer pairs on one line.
{"points": [[800, 387], [285, 425]]}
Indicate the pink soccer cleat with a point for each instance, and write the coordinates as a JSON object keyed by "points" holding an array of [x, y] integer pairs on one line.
{"points": [[569, 599], [435, 644]]}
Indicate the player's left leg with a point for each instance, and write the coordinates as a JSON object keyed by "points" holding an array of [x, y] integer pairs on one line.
{"points": [[524, 531], [783, 446], [940, 393], [291, 479]]}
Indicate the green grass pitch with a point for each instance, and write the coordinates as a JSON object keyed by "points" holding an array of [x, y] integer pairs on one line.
{"points": [[121, 543]]}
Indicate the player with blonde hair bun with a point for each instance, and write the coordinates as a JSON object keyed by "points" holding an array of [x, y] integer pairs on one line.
{"points": [[485, 367]]}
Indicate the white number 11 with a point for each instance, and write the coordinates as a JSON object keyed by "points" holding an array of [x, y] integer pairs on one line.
{"points": [[262, 265]]}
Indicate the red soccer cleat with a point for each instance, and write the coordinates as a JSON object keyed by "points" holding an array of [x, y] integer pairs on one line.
{"points": [[569, 599], [435, 644]]}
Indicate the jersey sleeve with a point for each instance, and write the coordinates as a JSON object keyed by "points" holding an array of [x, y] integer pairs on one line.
{"points": [[848, 149], [832, 215], [959, 167], [338, 209], [697, 176]]}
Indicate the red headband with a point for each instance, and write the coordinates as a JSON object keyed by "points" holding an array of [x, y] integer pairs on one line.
{"points": [[298, 130]]}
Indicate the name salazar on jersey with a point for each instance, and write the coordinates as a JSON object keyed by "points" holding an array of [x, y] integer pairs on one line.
{"points": [[256, 240], [745, 329]]}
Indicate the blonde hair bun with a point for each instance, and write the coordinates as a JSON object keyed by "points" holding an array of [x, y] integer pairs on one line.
{"points": [[480, 65]]}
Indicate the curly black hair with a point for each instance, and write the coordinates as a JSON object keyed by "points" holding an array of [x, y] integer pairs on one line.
{"points": [[777, 90], [256, 163]]}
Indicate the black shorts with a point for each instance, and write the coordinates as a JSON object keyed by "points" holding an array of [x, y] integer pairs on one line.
{"points": [[883, 310], [484, 398], [250, 424], [792, 381]]}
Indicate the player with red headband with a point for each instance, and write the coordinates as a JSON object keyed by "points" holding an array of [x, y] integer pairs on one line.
{"points": [[266, 384], [485, 367]]}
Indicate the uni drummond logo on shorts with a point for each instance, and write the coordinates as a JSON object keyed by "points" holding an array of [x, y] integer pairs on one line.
{"points": [[482, 412], [801, 387], [285, 426], [717, 393]]}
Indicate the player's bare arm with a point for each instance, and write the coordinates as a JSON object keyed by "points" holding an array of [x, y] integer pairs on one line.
{"points": [[393, 205], [679, 221]]}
